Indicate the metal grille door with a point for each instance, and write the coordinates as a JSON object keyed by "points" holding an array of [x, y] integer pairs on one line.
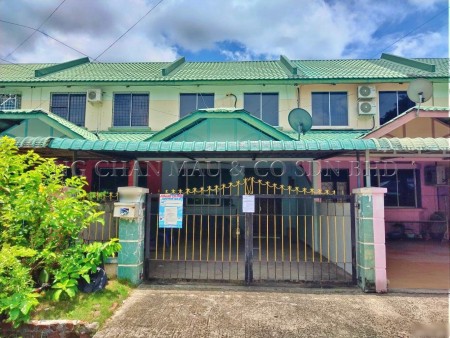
{"points": [[294, 235]]}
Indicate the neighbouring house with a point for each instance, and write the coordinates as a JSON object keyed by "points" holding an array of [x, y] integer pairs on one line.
{"points": [[139, 123]]}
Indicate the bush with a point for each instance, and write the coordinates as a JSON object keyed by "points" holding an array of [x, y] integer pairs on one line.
{"points": [[17, 296], [45, 212]]}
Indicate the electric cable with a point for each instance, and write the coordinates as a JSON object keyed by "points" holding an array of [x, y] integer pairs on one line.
{"points": [[40, 26], [129, 29]]}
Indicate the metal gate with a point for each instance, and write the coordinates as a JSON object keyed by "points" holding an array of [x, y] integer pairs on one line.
{"points": [[294, 235]]}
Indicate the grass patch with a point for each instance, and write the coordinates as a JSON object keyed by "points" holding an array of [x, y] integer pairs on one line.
{"points": [[88, 307]]}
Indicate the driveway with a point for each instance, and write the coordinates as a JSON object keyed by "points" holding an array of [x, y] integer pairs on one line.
{"points": [[232, 311], [418, 264]]}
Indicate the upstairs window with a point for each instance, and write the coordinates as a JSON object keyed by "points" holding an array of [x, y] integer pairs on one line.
{"points": [[71, 107], [263, 106], [392, 104], [10, 101], [130, 110], [193, 102], [330, 109]]}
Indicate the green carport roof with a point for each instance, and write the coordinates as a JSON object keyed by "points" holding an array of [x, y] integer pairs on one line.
{"points": [[199, 146], [379, 145]]}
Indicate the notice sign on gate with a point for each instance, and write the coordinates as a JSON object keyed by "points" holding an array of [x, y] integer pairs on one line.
{"points": [[171, 211], [248, 203]]}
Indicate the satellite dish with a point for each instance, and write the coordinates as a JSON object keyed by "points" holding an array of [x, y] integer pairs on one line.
{"points": [[420, 90], [300, 120]]}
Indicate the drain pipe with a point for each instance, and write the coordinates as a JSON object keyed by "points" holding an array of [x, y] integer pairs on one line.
{"points": [[358, 177], [367, 155]]}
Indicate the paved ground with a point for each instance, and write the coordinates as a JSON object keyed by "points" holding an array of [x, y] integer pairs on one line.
{"points": [[232, 311], [418, 264]]}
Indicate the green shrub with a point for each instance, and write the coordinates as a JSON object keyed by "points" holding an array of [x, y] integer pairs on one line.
{"points": [[17, 296], [45, 212]]}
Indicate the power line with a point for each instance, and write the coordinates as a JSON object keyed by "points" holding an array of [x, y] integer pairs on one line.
{"points": [[40, 26], [129, 29], [43, 33], [410, 32]]}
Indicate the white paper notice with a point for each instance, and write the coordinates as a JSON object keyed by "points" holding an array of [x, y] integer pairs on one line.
{"points": [[248, 203], [170, 217]]}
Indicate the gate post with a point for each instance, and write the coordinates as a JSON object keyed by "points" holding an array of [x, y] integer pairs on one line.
{"points": [[130, 209], [370, 240]]}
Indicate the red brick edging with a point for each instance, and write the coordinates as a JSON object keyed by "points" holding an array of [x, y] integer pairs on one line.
{"points": [[50, 329]]}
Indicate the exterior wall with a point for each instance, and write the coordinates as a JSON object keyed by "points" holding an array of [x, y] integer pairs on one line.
{"points": [[430, 202], [421, 127], [164, 100], [441, 95]]}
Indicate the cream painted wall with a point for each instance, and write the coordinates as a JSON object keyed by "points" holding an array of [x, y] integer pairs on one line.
{"points": [[164, 100], [441, 95]]}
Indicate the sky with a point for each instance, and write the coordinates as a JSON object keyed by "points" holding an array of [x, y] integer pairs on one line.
{"points": [[220, 30]]}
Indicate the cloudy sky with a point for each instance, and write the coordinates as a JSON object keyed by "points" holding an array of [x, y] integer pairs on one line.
{"points": [[220, 30]]}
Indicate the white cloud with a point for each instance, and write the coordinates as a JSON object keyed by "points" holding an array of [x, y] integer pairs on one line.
{"points": [[300, 29], [419, 45]]}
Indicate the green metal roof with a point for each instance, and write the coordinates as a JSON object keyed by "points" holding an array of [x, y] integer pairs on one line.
{"points": [[429, 108], [327, 134], [370, 69], [412, 144], [124, 136], [218, 117], [295, 71], [68, 128], [382, 144], [33, 142], [199, 146]]}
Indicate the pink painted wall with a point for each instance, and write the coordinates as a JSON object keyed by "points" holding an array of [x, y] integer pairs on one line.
{"points": [[429, 197]]}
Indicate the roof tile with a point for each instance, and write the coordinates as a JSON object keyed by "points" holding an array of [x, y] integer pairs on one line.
{"points": [[225, 71]]}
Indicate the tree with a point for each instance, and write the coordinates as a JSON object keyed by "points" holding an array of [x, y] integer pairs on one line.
{"points": [[42, 214]]}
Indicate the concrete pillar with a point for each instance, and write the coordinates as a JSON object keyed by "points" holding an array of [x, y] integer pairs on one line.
{"points": [[131, 233], [370, 239]]}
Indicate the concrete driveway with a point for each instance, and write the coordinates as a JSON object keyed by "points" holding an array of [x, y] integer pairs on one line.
{"points": [[232, 311]]}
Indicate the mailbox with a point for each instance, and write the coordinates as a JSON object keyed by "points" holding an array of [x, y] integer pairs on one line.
{"points": [[128, 210]]}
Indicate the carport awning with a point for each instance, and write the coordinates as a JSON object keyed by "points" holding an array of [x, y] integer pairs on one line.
{"points": [[315, 149], [226, 146]]}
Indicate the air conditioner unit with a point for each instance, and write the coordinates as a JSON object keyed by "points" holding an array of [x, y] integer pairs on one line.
{"points": [[366, 108], [366, 92], [94, 95]]}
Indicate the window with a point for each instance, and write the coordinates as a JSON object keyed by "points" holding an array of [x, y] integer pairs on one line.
{"points": [[262, 105], [403, 186], [392, 104], [334, 179], [109, 179], [130, 110], [10, 101], [329, 109], [71, 107], [192, 102]]}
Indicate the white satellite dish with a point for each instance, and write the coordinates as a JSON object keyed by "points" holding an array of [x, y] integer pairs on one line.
{"points": [[420, 90]]}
